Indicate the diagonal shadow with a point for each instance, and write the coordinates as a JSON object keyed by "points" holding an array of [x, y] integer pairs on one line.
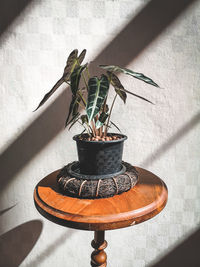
{"points": [[17, 243], [138, 34], [172, 140], [33, 139], [9, 10], [51, 248], [143, 28], [184, 255], [5, 210], [141, 31]]}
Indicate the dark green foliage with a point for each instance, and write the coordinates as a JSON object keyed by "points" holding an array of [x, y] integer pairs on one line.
{"points": [[98, 90], [93, 97], [136, 75], [102, 118], [75, 78]]}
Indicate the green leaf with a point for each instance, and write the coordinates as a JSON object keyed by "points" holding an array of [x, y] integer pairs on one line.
{"points": [[119, 89], [72, 57], [75, 78], [73, 119], [102, 118], [136, 75], [70, 65], [71, 61], [98, 90], [83, 131], [46, 97], [76, 105], [84, 119], [81, 56], [104, 109], [73, 108], [122, 94], [141, 97], [115, 126]]}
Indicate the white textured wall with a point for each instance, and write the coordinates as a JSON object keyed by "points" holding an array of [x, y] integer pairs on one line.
{"points": [[163, 138]]}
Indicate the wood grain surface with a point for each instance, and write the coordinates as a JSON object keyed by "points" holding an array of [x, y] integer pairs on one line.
{"points": [[141, 203]]}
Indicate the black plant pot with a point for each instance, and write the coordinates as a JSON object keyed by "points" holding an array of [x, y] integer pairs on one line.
{"points": [[100, 157]]}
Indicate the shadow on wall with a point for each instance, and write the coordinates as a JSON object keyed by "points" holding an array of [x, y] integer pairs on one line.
{"points": [[9, 10], [5, 210], [34, 138], [16, 244], [131, 41], [184, 255], [172, 140], [139, 33], [51, 248]]}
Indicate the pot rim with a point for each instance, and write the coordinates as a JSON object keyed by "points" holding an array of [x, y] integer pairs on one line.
{"points": [[124, 137], [82, 176]]}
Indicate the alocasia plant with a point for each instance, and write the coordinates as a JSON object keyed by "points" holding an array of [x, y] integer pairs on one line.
{"points": [[89, 103]]}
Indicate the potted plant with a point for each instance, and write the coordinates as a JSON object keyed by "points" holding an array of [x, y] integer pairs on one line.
{"points": [[99, 151]]}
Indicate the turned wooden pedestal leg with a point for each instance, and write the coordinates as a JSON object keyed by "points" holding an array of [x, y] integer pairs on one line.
{"points": [[98, 256]]}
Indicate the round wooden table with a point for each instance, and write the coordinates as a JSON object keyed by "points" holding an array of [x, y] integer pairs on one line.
{"points": [[139, 204]]}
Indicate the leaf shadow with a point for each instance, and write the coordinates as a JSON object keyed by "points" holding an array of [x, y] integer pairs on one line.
{"points": [[17, 243], [131, 41]]}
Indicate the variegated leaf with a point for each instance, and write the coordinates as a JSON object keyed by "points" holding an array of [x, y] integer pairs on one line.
{"points": [[46, 97], [141, 97], [119, 89], [136, 75], [73, 108], [72, 57], [71, 61], [75, 78], [102, 118], [98, 90], [81, 56]]}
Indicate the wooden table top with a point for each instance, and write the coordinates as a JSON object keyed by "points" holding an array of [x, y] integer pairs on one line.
{"points": [[139, 204]]}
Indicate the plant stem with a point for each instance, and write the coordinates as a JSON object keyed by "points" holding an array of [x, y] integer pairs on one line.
{"points": [[93, 128], [106, 128], [81, 105], [101, 131], [104, 110], [82, 98], [88, 74], [84, 127], [89, 127], [104, 105], [85, 81], [96, 119]]}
